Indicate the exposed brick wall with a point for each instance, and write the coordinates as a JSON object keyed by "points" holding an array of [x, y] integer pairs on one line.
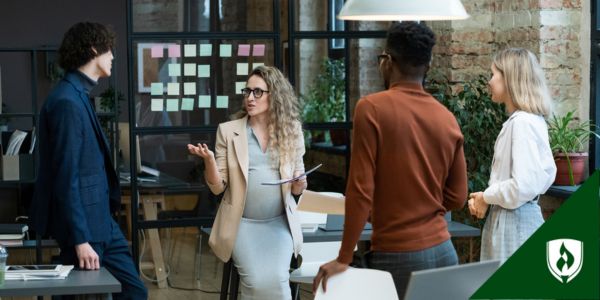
{"points": [[557, 31]]}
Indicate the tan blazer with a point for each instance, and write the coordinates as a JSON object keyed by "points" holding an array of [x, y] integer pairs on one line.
{"points": [[231, 154]]}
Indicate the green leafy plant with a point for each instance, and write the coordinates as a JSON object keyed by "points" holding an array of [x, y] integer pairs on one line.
{"points": [[324, 102], [569, 136], [480, 120], [107, 99]]}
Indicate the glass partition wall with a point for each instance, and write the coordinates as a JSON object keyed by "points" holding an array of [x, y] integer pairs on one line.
{"points": [[188, 61]]}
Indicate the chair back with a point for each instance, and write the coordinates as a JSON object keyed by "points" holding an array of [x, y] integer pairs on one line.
{"points": [[359, 284]]}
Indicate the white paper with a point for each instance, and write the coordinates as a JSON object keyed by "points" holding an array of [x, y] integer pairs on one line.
{"points": [[242, 69], [239, 85], [156, 105], [189, 69], [322, 202], [174, 69], [15, 142], [173, 88], [282, 181]]}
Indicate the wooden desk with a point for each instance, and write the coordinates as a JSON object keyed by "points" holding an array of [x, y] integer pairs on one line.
{"points": [[77, 283], [229, 273]]}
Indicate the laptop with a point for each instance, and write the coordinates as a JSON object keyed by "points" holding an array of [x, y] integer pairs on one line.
{"points": [[451, 283], [336, 223]]}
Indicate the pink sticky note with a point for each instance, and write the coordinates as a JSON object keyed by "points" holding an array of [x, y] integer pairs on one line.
{"points": [[174, 51], [244, 50], [258, 50], [156, 51]]}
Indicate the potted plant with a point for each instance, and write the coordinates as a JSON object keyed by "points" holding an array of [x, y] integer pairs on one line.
{"points": [[568, 139], [324, 101]]}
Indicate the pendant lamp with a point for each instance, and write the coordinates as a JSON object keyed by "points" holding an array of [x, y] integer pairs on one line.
{"points": [[403, 10]]}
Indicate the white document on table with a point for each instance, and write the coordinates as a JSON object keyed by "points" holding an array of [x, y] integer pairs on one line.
{"points": [[322, 202], [282, 181]]}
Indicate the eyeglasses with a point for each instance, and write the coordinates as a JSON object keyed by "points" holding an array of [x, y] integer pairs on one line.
{"points": [[381, 57], [257, 92]]}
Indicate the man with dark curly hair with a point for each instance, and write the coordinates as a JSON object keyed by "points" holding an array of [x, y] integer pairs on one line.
{"points": [[77, 189], [407, 167]]}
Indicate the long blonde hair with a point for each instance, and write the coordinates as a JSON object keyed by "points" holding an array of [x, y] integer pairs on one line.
{"points": [[285, 125], [524, 80]]}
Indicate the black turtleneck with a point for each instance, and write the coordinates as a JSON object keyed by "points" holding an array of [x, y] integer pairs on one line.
{"points": [[87, 83]]}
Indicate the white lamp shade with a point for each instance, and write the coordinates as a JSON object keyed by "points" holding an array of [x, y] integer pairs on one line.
{"points": [[403, 10]]}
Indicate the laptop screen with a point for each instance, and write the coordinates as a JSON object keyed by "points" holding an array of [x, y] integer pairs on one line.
{"points": [[453, 282]]}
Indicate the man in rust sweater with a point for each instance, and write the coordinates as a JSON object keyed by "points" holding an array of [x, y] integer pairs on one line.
{"points": [[407, 168]]}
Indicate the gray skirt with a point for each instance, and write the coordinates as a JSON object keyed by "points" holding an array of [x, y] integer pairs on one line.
{"points": [[262, 254], [505, 230]]}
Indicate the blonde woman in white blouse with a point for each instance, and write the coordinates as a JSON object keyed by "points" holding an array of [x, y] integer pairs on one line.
{"points": [[523, 166]]}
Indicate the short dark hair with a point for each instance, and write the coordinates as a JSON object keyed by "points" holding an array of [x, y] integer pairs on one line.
{"points": [[410, 44], [76, 47]]}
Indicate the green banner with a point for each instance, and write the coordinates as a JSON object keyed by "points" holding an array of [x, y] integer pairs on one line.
{"points": [[561, 260]]}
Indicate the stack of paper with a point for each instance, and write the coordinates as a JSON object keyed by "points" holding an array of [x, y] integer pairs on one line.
{"points": [[12, 234], [322, 202], [15, 141], [37, 272]]}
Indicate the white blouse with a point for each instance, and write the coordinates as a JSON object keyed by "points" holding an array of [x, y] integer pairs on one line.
{"points": [[523, 166]]}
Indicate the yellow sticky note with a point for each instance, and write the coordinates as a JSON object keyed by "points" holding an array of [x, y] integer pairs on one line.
{"points": [[222, 101], [206, 50], [172, 104], [204, 101], [156, 88], [173, 88], [156, 105], [189, 69], [225, 50], [189, 88], [242, 69], [204, 71], [174, 69], [239, 85], [189, 50], [187, 104]]}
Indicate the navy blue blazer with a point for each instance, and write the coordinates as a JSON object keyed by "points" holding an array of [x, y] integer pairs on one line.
{"points": [[77, 188]]}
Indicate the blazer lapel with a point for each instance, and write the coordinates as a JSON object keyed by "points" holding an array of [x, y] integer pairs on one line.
{"points": [[240, 145], [95, 123]]}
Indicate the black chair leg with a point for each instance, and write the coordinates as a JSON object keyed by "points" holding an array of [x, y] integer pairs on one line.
{"points": [[235, 283], [225, 281]]}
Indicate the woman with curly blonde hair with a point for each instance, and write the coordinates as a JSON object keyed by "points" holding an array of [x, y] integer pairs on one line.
{"points": [[256, 224]]}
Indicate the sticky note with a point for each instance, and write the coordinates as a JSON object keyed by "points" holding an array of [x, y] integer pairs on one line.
{"points": [[156, 51], [156, 105], [239, 85], [189, 50], [222, 101], [156, 88], [187, 104], [225, 50], [256, 65], [189, 88], [258, 50], [173, 88], [206, 50], [189, 69], [174, 51], [174, 69], [242, 69], [172, 104], [204, 101], [244, 50], [203, 71]]}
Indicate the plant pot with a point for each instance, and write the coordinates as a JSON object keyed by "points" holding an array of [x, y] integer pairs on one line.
{"points": [[562, 167], [338, 137]]}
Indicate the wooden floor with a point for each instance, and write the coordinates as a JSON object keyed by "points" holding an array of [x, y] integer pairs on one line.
{"points": [[179, 258]]}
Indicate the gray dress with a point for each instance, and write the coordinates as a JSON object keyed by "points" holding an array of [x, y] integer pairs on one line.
{"points": [[264, 247]]}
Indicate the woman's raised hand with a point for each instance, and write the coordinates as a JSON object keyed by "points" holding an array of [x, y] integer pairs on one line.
{"points": [[201, 150]]}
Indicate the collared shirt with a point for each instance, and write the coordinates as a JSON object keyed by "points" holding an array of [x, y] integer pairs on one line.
{"points": [[523, 165]]}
